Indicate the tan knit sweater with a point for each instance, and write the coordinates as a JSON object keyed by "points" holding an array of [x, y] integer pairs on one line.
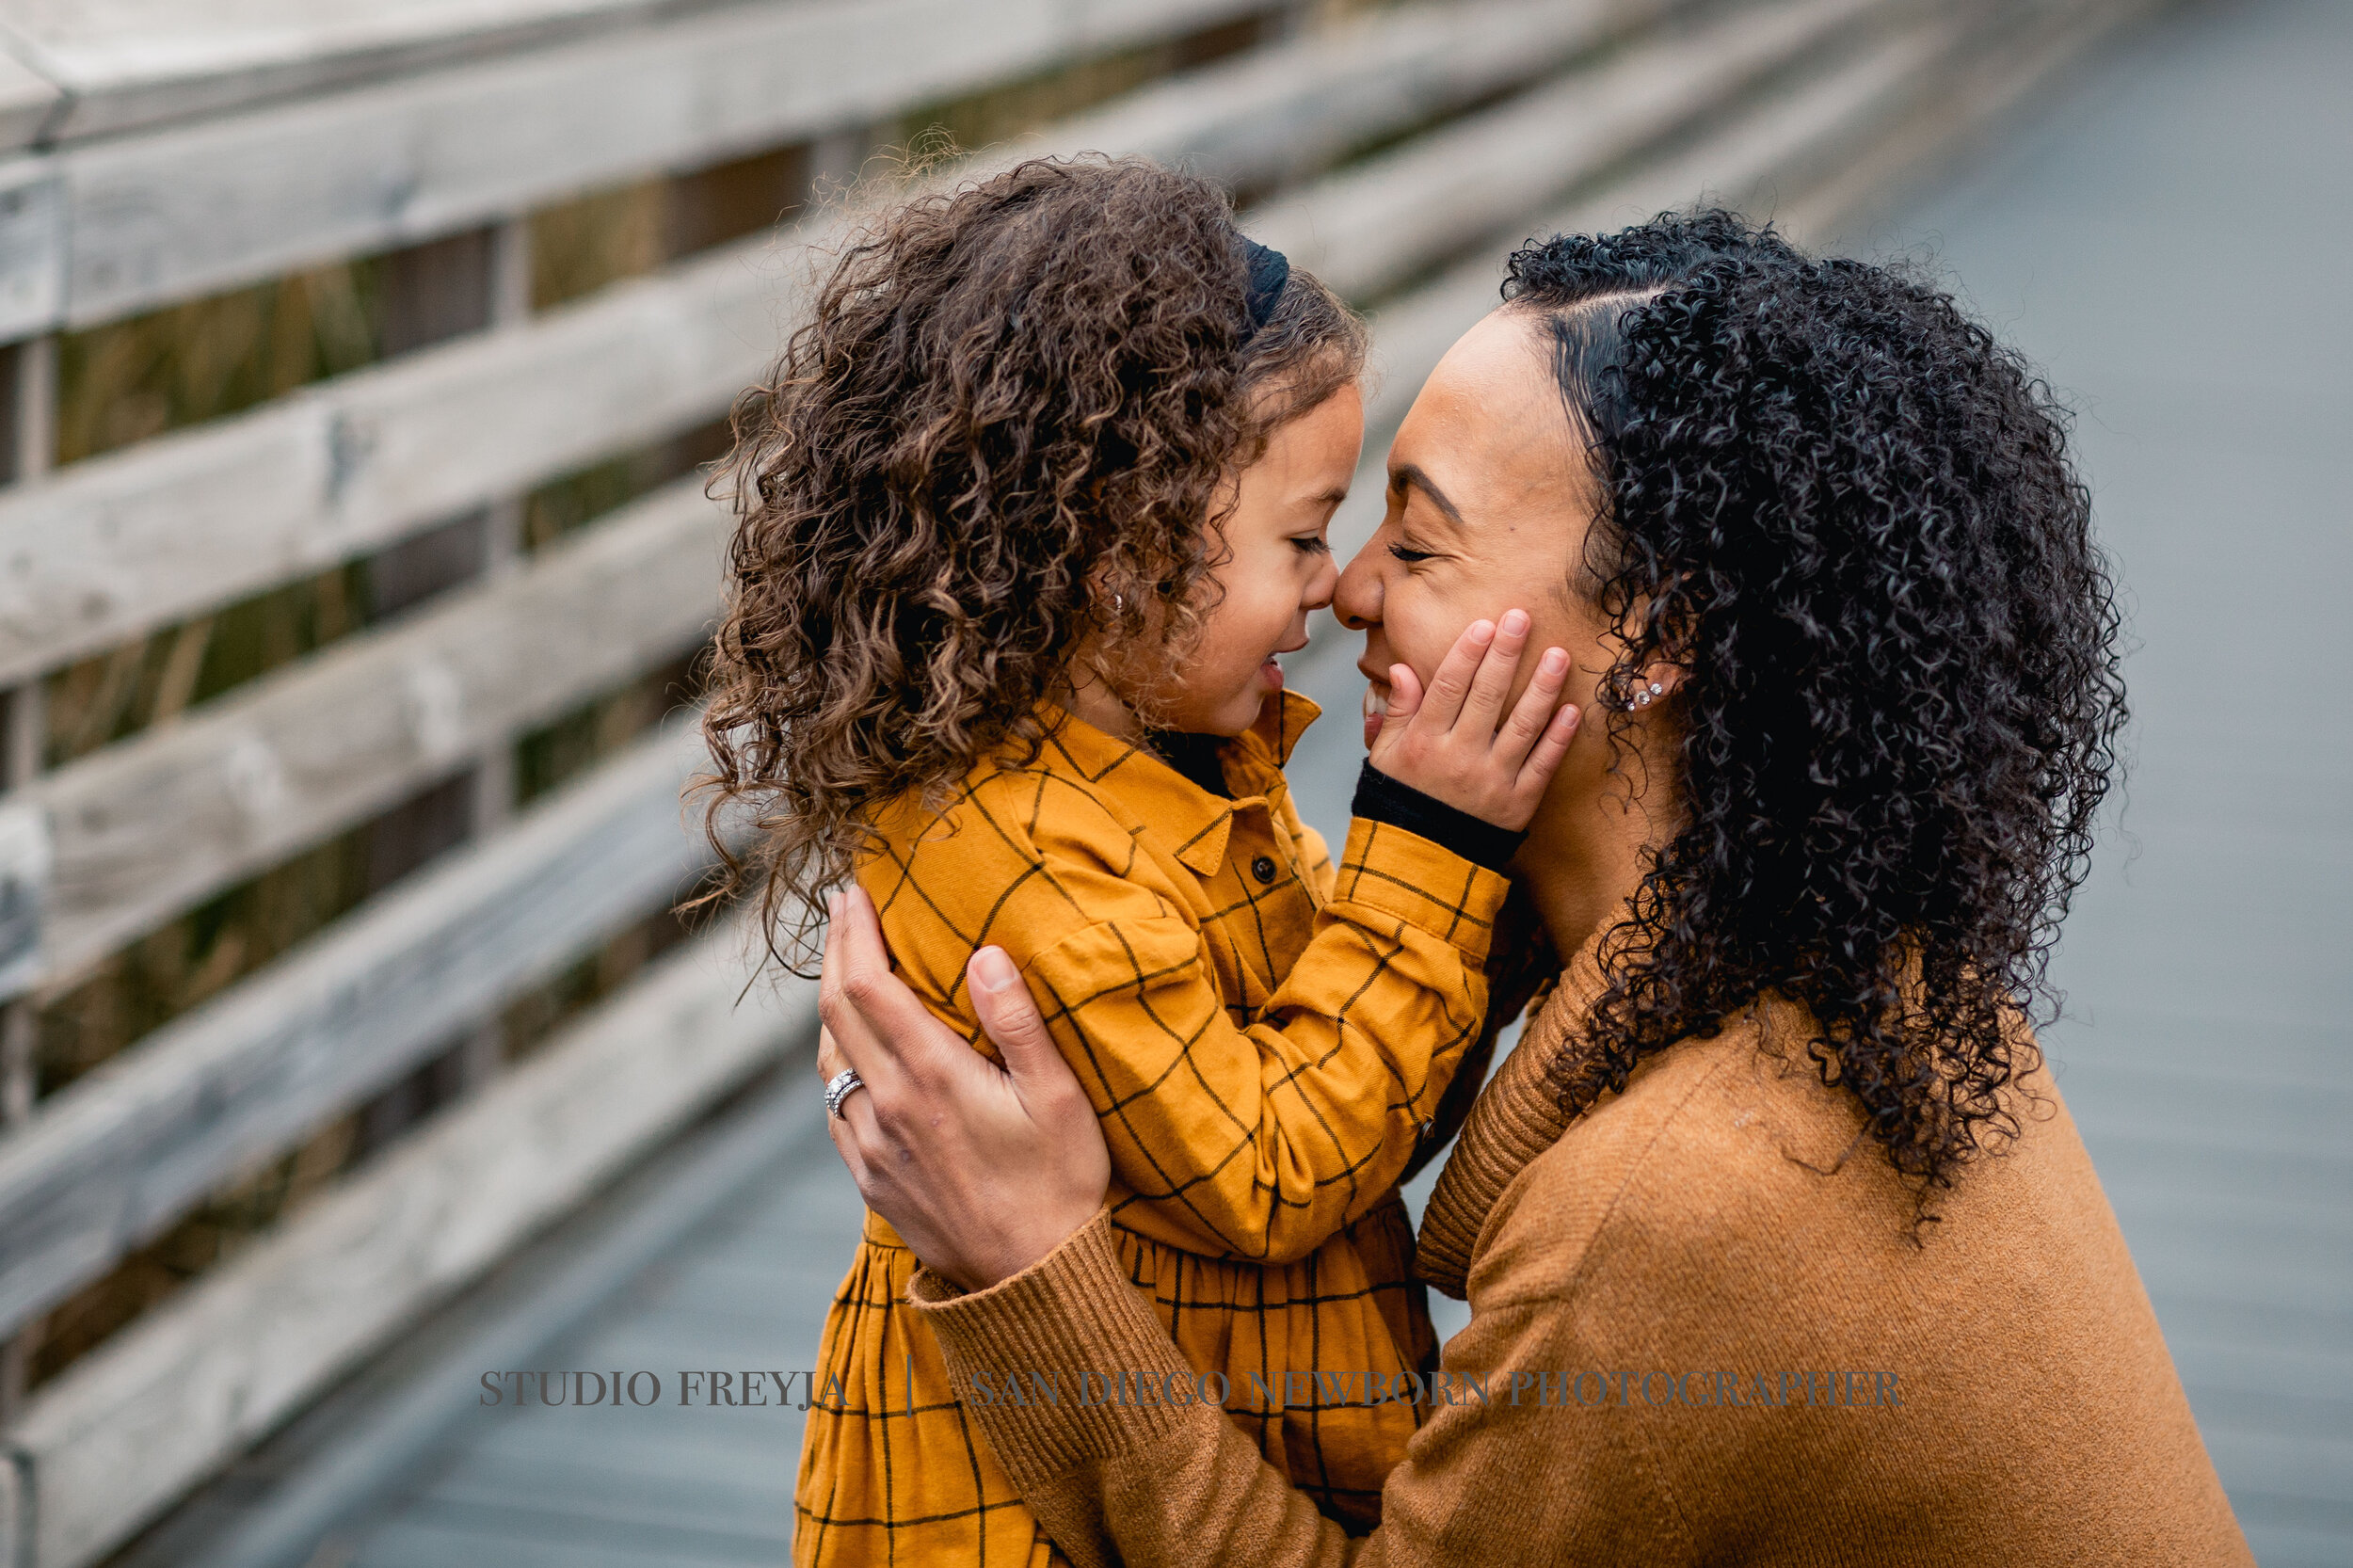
{"points": [[1703, 1333]]}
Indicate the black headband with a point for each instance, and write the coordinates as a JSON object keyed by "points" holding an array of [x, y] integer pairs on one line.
{"points": [[1269, 271]]}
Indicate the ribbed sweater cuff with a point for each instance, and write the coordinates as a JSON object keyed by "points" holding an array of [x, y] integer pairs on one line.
{"points": [[1070, 1323]]}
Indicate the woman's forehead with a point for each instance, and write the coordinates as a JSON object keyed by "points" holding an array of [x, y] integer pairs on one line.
{"points": [[1489, 433]]}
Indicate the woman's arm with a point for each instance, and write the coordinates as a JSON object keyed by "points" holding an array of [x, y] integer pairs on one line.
{"points": [[995, 1177]]}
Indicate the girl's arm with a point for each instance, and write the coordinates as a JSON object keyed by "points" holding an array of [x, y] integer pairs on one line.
{"points": [[1259, 1140]]}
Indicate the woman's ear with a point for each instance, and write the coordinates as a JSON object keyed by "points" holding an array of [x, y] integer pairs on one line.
{"points": [[1657, 682]]}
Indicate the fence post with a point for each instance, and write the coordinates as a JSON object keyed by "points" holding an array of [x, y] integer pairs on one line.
{"points": [[31, 397], [478, 1060], [476, 281]]}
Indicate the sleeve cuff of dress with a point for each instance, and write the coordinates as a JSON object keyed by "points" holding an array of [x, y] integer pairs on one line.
{"points": [[1398, 872], [1061, 1364], [1381, 798]]}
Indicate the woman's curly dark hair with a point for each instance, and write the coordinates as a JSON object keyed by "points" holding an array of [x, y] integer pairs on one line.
{"points": [[1013, 419], [1846, 515]]}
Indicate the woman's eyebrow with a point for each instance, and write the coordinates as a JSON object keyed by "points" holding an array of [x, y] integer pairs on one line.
{"points": [[1410, 476]]}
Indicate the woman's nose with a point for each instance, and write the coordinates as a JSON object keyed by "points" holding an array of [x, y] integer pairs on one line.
{"points": [[1356, 600]]}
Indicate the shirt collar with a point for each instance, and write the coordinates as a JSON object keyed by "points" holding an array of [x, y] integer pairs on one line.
{"points": [[1193, 824]]}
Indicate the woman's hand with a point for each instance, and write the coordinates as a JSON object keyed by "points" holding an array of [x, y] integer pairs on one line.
{"points": [[1455, 742], [983, 1170]]}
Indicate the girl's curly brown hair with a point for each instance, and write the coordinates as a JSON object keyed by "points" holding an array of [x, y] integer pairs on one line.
{"points": [[1011, 424]]}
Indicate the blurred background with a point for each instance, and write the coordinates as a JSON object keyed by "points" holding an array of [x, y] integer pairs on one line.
{"points": [[361, 363]]}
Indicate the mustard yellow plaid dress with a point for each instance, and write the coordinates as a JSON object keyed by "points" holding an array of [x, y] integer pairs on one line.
{"points": [[1263, 1038]]}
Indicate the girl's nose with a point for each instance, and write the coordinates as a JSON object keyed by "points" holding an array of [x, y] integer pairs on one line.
{"points": [[1321, 587]]}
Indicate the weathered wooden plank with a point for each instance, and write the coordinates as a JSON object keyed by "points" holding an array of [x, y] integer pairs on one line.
{"points": [[118, 1154], [102, 550], [152, 826], [32, 249], [436, 1542], [126, 1431], [1380, 223], [29, 100], [128, 63], [197, 208], [628, 1496], [27, 862], [651, 1225], [1298, 107]]}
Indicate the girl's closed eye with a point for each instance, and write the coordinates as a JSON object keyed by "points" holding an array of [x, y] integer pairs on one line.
{"points": [[1312, 544]]}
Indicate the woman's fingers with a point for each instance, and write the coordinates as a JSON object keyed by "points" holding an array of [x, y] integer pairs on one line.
{"points": [[856, 1138], [881, 1027], [843, 1037], [1492, 682], [1009, 1016], [979, 1174], [851, 1145]]}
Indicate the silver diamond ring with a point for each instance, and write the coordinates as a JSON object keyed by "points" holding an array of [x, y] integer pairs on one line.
{"points": [[838, 1089]]}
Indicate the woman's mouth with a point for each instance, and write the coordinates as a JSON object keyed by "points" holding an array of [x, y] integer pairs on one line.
{"points": [[1376, 709]]}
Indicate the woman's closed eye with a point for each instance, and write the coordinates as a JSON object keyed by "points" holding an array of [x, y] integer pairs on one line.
{"points": [[1409, 555]]}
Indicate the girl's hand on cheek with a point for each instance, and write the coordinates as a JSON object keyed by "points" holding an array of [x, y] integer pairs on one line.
{"points": [[1455, 743]]}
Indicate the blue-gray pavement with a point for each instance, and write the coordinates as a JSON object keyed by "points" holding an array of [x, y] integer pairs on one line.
{"points": [[2169, 242]]}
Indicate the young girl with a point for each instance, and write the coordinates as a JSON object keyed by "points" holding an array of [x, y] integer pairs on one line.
{"points": [[1029, 510]]}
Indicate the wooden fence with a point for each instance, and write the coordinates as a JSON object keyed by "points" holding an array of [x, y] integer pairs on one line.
{"points": [[158, 152]]}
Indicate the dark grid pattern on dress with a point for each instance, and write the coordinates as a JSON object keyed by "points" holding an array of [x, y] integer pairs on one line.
{"points": [[1263, 1037]]}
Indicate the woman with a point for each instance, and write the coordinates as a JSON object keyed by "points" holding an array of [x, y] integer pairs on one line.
{"points": [[1778, 1242]]}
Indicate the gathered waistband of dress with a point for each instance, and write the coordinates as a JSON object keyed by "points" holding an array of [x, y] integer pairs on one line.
{"points": [[878, 1232]]}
